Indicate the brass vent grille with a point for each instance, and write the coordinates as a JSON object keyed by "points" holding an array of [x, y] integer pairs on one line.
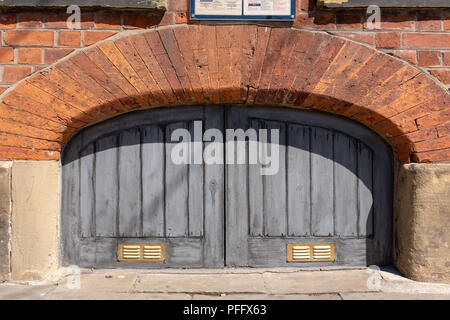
{"points": [[141, 252], [310, 252]]}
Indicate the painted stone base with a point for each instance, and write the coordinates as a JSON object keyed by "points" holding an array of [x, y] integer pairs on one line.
{"points": [[35, 219], [5, 214], [422, 221]]}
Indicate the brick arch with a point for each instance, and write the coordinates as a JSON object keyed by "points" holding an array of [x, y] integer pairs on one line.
{"points": [[239, 64]]}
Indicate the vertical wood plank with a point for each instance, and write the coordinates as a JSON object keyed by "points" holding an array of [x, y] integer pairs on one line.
{"points": [[106, 185], [322, 220], [236, 199], [365, 221], [70, 206], [196, 186], [382, 209], [130, 183], [214, 197], [275, 214], [255, 184], [346, 179], [153, 163], [176, 189], [87, 194], [299, 180]]}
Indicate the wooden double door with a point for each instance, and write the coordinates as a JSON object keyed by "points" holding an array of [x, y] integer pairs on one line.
{"points": [[127, 180]]}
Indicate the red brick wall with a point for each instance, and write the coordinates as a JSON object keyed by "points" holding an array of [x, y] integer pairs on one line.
{"points": [[33, 40], [30, 41]]}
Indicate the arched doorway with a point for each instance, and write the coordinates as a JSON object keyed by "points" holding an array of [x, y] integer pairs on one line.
{"points": [[332, 184], [245, 64]]}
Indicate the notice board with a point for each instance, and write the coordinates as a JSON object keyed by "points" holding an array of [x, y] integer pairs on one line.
{"points": [[242, 9]]}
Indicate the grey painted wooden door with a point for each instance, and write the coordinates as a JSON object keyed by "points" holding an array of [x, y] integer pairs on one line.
{"points": [[333, 184], [120, 185]]}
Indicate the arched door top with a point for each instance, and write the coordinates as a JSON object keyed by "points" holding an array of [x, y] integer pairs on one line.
{"points": [[238, 64]]}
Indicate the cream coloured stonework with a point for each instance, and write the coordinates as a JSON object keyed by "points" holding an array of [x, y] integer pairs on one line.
{"points": [[35, 219], [5, 218], [422, 221]]}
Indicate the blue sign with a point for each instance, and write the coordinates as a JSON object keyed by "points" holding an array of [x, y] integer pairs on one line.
{"points": [[242, 10]]}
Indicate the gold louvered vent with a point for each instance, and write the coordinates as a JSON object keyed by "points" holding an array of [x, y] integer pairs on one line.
{"points": [[322, 252], [141, 252], [310, 252]]}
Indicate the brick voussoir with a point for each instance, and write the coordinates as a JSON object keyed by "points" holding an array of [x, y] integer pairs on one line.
{"points": [[140, 45], [154, 94], [113, 75], [17, 128], [72, 71], [47, 104], [60, 98], [14, 140]]}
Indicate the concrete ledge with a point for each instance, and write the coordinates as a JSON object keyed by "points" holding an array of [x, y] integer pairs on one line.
{"points": [[422, 221], [223, 284], [35, 219], [5, 214]]}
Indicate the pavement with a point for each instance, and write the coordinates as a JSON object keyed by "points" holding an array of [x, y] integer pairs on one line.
{"points": [[228, 284]]}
